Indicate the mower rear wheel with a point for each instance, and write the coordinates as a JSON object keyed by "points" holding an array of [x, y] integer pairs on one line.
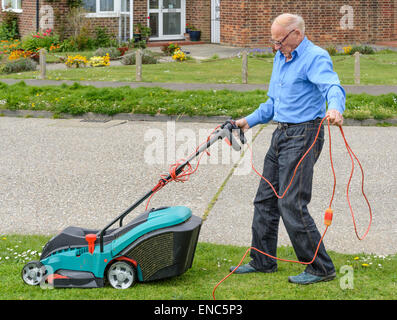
{"points": [[121, 275], [33, 273]]}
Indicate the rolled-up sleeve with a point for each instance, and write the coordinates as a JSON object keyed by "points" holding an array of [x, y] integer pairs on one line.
{"points": [[321, 73]]}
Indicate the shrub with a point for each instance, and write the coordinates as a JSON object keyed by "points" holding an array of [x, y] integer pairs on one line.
{"points": [[40, 40], [102, 38], [83, 40], [122, 50], [331, 50], [147, 58], [9, 27], [20, 65], [68, 45], [362, 50], [170, 48], [139, 44], [112, 52]]}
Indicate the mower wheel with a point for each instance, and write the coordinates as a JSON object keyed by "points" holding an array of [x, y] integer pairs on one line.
{"points": [[33, 273], [121, 275]]}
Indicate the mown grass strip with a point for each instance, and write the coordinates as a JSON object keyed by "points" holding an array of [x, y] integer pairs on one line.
{"points": [[373, 277], [77, 99]]}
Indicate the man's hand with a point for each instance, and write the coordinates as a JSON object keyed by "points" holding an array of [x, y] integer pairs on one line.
{"points": [[335, 117], [242, 124]]}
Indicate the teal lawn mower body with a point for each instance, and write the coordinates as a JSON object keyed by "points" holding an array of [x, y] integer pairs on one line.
{"points": [[159, 243]]}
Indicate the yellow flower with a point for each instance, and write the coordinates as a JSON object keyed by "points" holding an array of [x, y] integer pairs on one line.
{"points": [[100, 61], [347, 49], [76, 61], [356, 258], [365, 265], [179, 55]]}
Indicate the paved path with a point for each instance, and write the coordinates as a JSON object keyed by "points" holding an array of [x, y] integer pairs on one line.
{"points": [[55, 173]]}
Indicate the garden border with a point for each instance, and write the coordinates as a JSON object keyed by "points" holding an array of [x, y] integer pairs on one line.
{"points": [[96, 117]]}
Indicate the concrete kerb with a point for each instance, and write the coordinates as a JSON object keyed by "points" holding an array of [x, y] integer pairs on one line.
{"points": [[95, 117]]}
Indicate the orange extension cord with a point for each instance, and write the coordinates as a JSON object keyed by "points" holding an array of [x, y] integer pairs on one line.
{"points": [[184, 176]]}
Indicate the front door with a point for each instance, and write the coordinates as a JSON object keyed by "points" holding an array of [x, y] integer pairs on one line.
{"points": [[167, 19]]}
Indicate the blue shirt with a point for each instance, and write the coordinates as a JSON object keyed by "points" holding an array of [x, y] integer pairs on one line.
{"points": [[299, 89]]}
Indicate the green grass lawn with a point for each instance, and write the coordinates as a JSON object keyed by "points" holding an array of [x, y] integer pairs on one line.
{"points": [[217, 71], [78, 99], [376, 69], [373, 277]]}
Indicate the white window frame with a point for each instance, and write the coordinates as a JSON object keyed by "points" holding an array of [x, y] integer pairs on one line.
{"points": [[13, 6], [106, 14]]}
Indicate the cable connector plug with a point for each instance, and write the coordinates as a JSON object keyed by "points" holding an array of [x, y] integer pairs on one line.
{"points": [[328, 217]]}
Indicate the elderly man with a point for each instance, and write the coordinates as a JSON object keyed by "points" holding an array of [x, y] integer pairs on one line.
{"points": [[302, 82]]}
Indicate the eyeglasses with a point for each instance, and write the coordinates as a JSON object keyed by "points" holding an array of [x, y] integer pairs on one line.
{"points": [[280, 43]]}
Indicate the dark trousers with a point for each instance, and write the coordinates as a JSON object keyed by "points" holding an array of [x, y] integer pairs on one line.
{"points": [[288, 145]]}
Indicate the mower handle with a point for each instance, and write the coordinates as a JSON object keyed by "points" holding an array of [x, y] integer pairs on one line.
{"points": [[226, 131], [229, 128]]}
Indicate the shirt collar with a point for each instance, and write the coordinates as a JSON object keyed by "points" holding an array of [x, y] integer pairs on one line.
{"points": [[298, 50], [302, 46]]}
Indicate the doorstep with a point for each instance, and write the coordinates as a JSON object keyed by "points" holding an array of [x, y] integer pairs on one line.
{"points": [[180, 42]]}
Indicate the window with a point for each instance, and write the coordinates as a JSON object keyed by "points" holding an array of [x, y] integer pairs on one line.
{"points": [[106, 5], [125, 5], [12, 5], [105, 8], [89, 5]]}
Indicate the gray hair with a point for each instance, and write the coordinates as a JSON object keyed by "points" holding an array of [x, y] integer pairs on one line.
{"points": [[291, 21]]}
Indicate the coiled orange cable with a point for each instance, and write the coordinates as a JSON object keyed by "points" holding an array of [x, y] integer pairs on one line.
{"points": [[328, 213]]}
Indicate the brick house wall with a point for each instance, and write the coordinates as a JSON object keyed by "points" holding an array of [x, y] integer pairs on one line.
{"points": [[247, 22], [198, 14], [27, 18]]}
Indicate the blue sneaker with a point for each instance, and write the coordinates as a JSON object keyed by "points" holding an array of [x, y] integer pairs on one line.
{"points": [[247, 268], [307, 278]]}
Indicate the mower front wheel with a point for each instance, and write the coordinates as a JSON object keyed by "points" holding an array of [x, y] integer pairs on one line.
{"points": [[33, 273], [121, 275]]}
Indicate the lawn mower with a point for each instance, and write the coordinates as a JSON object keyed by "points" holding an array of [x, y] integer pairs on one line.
{"points": [[157, 244]]}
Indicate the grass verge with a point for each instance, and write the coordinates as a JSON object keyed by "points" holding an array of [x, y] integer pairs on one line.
{"points": [[376, 69], [77, 99], [374, 277]]}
